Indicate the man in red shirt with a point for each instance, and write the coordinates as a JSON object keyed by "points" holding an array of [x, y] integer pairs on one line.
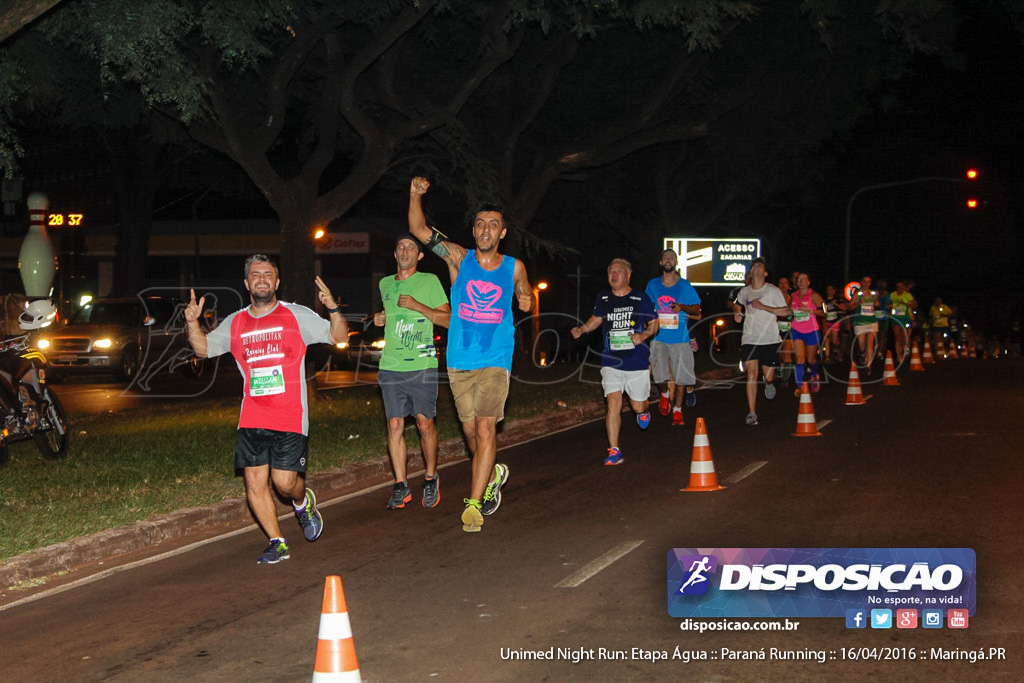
{"points": [[269, 340]]}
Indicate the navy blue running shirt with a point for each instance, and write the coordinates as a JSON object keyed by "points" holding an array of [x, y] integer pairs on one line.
{"points": [[622, 316]]}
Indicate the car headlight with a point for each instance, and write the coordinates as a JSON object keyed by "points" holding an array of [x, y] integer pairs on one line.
{"points": [[379, 344], [341, 345], [102, 344], [43, 344]]}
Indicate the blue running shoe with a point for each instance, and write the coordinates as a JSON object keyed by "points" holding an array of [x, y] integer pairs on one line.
{"points": [[644, 419], [309, 518], [614, 457], [691, 399], [275, 552]]}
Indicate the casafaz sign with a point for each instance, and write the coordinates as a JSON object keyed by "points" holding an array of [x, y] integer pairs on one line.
{"points": [[816, 582]]}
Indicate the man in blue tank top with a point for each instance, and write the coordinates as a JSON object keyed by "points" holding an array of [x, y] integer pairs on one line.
{"points": [[480, 340]]}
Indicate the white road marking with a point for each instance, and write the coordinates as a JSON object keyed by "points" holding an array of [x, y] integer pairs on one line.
{"points": [[746, 471], [592, 568]]}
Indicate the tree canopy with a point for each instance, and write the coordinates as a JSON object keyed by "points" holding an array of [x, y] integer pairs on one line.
{"points": [[321, 102]]}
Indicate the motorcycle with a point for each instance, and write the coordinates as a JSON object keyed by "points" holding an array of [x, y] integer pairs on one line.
{"points": [[29, 409]]}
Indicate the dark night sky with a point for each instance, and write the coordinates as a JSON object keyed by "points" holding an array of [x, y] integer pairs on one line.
{"points": [[951, 120]]}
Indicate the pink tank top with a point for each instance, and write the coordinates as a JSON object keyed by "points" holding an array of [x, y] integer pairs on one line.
{"points": [[804, 320]]}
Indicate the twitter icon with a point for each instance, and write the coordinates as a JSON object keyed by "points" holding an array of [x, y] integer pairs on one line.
{"points": [[881, 618]]}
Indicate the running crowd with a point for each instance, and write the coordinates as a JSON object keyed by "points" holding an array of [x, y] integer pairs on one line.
{"points": [[645, 338]]}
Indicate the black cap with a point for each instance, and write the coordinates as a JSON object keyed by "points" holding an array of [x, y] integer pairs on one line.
{"points": [[409, 236]]}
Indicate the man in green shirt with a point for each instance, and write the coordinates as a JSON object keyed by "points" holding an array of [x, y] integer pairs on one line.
{"points": [[413, 303], [903, 305]]}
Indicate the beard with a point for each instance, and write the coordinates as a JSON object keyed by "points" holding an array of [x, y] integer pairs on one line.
{"points": [[668, 268], [263, 299]]}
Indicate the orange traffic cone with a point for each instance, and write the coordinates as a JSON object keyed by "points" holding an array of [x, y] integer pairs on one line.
{"points": [[335, 650], [915, 359], [952, 350], [940, 349], [806, 424], [702, 467], [928, 357], [853, 395], [889, 374]]}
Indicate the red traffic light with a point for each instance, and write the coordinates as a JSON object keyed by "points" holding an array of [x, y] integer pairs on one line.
{"points": [[972, 173], [972, 203]]}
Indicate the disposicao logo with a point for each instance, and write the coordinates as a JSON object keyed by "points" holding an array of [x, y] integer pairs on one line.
{"points": [[696, 581], [817, 582]]}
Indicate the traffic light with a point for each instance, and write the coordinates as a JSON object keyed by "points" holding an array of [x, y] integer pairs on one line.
{"points": [[972, 175]]}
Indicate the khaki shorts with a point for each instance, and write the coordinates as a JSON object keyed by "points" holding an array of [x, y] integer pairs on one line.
{"points": [[479, 393]]}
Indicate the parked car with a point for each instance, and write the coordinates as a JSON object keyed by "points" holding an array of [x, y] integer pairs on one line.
{"points": [[122, 336], [364, 346]]}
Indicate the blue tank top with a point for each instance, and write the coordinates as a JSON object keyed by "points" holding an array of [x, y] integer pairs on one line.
{"points": [[481, 333]]}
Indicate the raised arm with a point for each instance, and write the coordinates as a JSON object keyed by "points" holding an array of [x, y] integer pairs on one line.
{"points": [[339, 326], [439, 244], [196, 336]]}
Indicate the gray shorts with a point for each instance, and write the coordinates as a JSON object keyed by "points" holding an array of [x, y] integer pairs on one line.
{"points": [[409, 393], [672, 362]]}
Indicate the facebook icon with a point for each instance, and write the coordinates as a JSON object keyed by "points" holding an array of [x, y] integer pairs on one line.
{"points": [[856, 618]]}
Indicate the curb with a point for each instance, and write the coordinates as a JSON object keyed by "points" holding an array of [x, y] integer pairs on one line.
{"points": [[234, 513]]}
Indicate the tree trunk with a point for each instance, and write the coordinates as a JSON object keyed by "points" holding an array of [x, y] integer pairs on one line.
{"points": [[297, 272]]}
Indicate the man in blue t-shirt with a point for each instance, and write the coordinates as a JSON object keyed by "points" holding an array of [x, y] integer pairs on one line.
{"points": [[626, 318], [674, 299]]}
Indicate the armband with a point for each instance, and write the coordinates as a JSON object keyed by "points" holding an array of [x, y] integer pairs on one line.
{"points": [[334, 310], [436, 238]]}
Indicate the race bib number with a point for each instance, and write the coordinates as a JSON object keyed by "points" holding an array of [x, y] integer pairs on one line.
{"points": [[831, 316], [867, 308], [901, 311], [266, 381], [784, 326], [668, 321], [801, 316], [618, 340]]}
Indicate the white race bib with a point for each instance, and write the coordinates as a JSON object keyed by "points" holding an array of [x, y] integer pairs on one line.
{"points": [[266, 381], [618, 340], [668, 321]]}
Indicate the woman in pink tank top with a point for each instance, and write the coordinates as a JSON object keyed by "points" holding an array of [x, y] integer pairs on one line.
{"points": [[807, 306]]}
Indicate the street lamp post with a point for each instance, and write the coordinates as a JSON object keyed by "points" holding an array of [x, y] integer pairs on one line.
{"points": [[971, 175]]}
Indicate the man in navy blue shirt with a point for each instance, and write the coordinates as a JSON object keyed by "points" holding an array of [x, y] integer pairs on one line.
{"points": [[627, 321]]}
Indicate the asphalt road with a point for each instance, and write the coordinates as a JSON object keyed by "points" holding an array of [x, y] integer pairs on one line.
{"points": [[931, 463]]}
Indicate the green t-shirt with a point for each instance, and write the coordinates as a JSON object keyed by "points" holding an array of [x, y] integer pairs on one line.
{"points": [[866, 309], [901, 306], [408, 336]]}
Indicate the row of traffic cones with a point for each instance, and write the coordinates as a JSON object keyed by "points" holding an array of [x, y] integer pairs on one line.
{"points": [[335, 650], [702, 466]]}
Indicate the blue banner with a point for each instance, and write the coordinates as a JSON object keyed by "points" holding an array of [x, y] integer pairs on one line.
{"points": [[817, 582]]}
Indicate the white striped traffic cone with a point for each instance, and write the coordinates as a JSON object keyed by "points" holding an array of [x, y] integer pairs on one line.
{"points": [[335, 649]]}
